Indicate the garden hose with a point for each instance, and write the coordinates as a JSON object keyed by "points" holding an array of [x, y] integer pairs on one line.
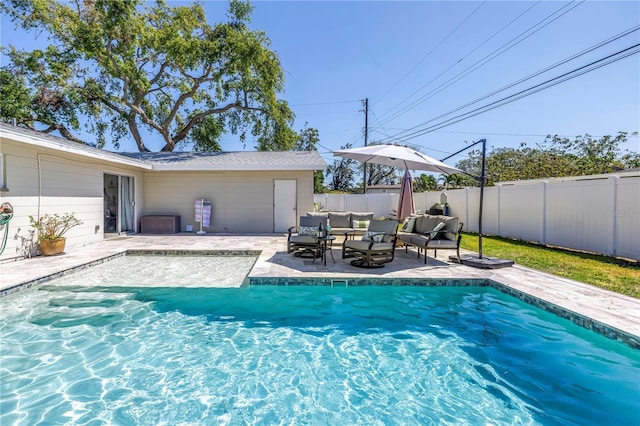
{"points": [[6, 213]]}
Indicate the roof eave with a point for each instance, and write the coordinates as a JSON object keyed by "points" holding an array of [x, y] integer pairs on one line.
{"points": [[252, 168], [85, 151]]}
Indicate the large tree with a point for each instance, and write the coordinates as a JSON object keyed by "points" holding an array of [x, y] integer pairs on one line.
{"points": [[556, 157], [125, 68]]}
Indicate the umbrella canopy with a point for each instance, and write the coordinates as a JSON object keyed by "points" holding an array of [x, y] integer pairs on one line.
{"points": [[406, 205], [396, 156]]}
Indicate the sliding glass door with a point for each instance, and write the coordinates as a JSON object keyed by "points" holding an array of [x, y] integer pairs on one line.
{"points": [[119, 204]]}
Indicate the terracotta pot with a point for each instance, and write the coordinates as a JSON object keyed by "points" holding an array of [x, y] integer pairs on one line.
{"points": [[50, 247]]}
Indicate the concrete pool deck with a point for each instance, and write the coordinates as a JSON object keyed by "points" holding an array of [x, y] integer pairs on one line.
{"points": [[613, 310]]}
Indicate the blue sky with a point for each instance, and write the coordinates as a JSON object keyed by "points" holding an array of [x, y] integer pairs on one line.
{"points": [[400, 54]]}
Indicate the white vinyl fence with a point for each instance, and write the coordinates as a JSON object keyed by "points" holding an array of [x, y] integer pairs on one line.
{"points": [[599, 214]]}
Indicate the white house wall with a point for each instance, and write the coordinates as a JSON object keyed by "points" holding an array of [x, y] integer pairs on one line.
{"points": [[42, 181], [242, 202]]}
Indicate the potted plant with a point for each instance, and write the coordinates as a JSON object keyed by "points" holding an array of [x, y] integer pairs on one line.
{"points": [[51, 230]]}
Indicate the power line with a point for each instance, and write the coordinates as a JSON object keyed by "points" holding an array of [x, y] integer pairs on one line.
{"points": [[328, 103], [488, 58], [432, 50], [529, 77], [457, 62], [529, 91]]}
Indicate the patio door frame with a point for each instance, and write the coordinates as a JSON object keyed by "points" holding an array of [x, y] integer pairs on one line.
{"points": [[115, 203]]}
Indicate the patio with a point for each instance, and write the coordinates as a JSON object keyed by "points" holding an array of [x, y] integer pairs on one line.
{"points": [[611, 310]]}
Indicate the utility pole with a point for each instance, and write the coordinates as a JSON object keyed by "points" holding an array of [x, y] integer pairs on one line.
{"points": [[366, 135]]}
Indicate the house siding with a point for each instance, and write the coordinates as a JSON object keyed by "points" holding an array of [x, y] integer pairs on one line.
{"points": [[42, 181], [242, 202]]}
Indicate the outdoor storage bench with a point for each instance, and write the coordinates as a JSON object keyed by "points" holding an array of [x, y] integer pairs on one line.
{"points": [[160, 224], [342, 223], [425, 231]]}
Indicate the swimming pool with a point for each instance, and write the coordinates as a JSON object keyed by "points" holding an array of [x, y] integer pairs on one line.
{"points": [[304, 355]]}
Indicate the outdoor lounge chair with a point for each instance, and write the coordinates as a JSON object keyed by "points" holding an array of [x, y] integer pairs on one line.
{"points": [[302, 239], [376, 247]]}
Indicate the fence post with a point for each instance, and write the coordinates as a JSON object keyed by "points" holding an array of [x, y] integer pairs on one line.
{"points": [[466, 197], [543, 231], [499, 230], [613, 214]]}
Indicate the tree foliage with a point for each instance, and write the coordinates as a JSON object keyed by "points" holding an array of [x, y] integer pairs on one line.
{"points": [[424, 183], [378, 174], [128, 68], [342, 173], [307, 140], [555, 157]]}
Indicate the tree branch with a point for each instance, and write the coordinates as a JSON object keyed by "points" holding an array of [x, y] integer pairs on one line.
{"points": [[198, 117]]}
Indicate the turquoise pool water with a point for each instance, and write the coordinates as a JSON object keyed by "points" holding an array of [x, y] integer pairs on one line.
{"points": [[304, 355]]}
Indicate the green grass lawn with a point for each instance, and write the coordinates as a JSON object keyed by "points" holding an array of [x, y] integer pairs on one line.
{"points": [[605, 272]]}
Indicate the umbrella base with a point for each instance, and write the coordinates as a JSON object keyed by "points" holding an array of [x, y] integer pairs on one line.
{"points": [[486, 262]]}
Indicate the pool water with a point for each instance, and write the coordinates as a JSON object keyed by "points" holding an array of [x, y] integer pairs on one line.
{"points": [[304, 355]]}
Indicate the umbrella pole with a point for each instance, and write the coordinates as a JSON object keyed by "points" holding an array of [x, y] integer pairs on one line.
{"points": [[366, 136], [482, 180]]}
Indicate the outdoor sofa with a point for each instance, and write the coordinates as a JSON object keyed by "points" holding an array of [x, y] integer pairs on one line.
{"points": [[346, 223], [426, 231]]}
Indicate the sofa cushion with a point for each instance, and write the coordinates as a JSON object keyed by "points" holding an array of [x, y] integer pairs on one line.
{"points": [[340, 219], [405, 236], [318, 214], [364, 245], [360, 224], [450, 232], [426, 224], [303, 240], [361, 216], [418, 240]]}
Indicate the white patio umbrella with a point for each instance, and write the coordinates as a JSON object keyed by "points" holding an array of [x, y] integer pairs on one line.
{"points": [[396, 156]]}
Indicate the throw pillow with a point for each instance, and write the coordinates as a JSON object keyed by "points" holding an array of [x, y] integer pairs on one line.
{"points": [[408, 224], [308, 231], [376, 237], [437, 229], [360, 224]]}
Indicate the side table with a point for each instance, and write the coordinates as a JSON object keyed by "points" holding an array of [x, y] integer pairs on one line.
{"points": [[324, 244]]}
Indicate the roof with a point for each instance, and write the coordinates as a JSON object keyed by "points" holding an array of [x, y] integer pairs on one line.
{"points": [[33, 137], [232, 161], [175, 161]]}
